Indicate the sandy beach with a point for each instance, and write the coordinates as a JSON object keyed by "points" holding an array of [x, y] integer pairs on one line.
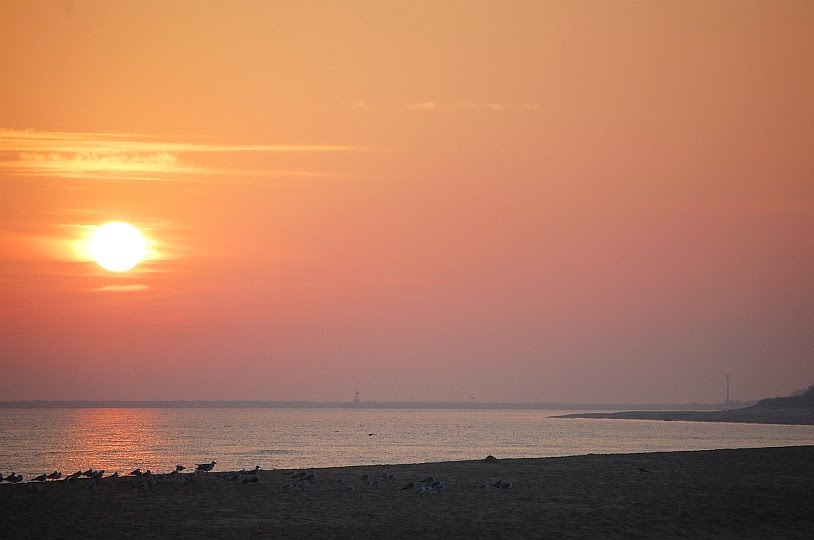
{"points": [[745, 493]]}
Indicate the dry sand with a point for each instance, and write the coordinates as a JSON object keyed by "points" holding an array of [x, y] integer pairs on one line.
{"points": [[749, 493]]}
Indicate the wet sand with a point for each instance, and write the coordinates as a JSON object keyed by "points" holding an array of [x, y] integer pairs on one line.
{"points": [[748, 493]]}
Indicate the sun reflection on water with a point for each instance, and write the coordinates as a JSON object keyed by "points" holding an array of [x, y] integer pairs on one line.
{"points": [[36, 441]]}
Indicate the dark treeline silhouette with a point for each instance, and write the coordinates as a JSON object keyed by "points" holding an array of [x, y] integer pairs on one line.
{"points": [[797, 408], [804, 400]]}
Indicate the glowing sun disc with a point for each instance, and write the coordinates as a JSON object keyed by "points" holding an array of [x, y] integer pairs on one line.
{"points": [[117, 246]]}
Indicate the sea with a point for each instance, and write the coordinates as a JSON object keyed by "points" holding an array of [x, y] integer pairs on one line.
{"points": [[36, 441]]}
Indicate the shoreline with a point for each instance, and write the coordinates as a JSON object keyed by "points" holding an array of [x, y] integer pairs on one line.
{"points": [[736, 493], [783, 416]]}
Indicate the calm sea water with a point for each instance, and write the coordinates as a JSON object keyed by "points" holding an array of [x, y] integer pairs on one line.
{"points": [[33, 441]]}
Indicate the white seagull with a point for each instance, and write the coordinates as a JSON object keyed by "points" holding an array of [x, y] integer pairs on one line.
{"points": [[206, 467]]}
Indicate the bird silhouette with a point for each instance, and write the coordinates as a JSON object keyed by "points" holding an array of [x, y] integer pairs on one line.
{"points": [[206, 467]]}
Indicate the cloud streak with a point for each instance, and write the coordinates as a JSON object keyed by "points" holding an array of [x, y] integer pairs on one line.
{"points": [[135, 157], [462, 105], [122, 288], [422, 106]]}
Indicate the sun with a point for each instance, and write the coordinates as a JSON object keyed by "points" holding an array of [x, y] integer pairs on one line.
{"points": [[117, 246]]}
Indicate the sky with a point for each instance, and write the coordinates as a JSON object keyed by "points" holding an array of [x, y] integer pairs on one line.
{"points": [[425, 201]]}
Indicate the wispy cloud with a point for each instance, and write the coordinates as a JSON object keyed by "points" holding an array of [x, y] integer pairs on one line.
{"points": [[422, 106], [464, 105], [122, 288], [135, 157]]}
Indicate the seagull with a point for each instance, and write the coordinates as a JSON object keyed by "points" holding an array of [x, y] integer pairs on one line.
{"points": [[179, 468], [255, 471], [14, 479], [422, 489], [206, 467], [114, 475], [642, 469], [482, 485], [56, 475], [387, 475], [438, 485], [88, 472], [410, 485], [97, 474], [502, 484], [135, 472], [73, 477], [41, 478]]}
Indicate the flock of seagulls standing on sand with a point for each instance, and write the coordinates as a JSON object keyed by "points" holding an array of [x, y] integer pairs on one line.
{"points": [[148, 478], [299, 479]]}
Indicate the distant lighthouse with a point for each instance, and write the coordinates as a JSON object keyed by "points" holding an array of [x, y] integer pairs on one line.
{"points": [[356, 400]]}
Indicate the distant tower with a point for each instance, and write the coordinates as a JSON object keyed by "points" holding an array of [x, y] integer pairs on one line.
{"points": [[357, 401], [727, 377]]}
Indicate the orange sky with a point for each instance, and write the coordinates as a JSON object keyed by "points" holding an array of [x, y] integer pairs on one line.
{"points": [[522, 201]]}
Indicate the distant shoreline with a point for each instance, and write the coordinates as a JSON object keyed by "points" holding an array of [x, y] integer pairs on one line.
{"points": [[250, 404], [786, 416]]}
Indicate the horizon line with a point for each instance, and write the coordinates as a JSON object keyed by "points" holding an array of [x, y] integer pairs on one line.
{"points": [[372, 404]]}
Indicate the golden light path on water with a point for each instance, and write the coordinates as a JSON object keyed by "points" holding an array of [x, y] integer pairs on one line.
{"points": [[36, 441]]}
